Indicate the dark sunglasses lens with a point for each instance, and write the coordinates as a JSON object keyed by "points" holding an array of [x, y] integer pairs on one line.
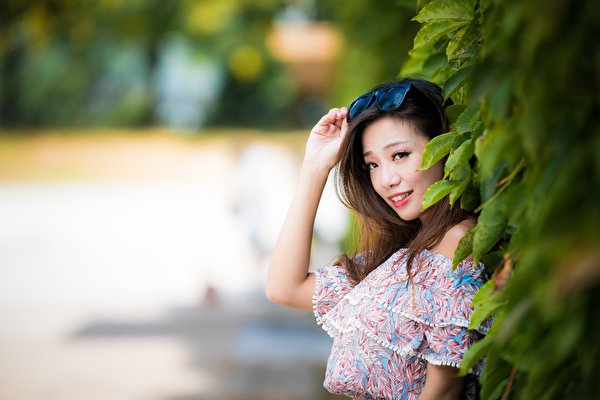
{"points": [[392, 98], [359, 105]]}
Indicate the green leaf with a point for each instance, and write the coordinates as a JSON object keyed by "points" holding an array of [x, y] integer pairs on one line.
{"points": [[468, 120], [422, 59], [461, 155], [492, 260], [444, 10], [436, 149], [456, 80], [470, 199], [484, 294], [434, 64], [483, 312], [440, 76], [437, 191], [454, 41], [489, 186], [494, 378], [464, 248], [462, 174], [465, 43], [491, 225], [422, 3], [499, 147], [435, 30], [453, 111], [477, 351], [498, 101], [516, 203]]}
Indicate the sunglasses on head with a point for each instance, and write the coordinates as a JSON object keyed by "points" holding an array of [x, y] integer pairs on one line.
{"points": [[385, 99]]}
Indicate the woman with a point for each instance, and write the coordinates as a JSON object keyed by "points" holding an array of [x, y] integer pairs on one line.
{"points": [[397, 311]]}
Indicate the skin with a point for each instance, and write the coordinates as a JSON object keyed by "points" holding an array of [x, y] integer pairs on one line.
{"points": [[393, 152]]}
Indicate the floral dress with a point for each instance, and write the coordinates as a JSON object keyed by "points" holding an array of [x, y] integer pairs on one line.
{"points": [[386, 329]]}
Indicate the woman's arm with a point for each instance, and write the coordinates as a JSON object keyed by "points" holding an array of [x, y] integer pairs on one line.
{"points": [[442, 383], [288, 280]]}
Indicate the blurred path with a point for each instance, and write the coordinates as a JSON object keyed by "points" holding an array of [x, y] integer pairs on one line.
{"points": [[101, 290]]}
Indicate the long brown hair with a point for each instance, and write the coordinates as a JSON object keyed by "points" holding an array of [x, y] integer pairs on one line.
{"points": [[381, 231]]}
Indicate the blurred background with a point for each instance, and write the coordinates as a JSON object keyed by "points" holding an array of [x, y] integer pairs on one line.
{"points": [[148, 154]]}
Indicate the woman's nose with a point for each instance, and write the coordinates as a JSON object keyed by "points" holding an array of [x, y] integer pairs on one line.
{"points": [[390, 176]]}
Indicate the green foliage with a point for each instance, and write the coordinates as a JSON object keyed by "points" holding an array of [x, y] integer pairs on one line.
{"points": [[522, 153]]}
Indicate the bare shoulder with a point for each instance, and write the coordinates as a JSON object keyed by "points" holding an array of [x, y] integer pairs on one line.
{"points": [[449, 242]]}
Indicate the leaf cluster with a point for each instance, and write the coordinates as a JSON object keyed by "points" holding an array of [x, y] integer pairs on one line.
{"points": [[521, 154]]}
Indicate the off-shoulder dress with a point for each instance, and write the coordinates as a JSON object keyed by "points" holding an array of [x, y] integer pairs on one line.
{"points": [[386, 329]]}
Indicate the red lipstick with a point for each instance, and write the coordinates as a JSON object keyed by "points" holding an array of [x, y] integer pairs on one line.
{"points": [[400, 199]]}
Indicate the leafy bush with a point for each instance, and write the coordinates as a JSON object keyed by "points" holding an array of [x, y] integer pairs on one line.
{"points": [[523, 76]]}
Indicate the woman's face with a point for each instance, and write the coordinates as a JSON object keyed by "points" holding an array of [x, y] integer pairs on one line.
{"points": [[392, 151]]}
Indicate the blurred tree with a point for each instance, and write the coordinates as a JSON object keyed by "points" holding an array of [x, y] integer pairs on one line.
{"points": [[66, 62], [57, 55], [146, 22], [257, 90], [26, 29], [54, 52], [378, 37]]}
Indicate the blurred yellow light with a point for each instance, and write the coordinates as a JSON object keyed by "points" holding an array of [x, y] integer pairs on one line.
{"points": [[36, 24], [246, 63], [209, 17]]}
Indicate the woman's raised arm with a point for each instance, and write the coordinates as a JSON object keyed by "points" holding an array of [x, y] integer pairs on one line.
{"points": [[288, 280]]}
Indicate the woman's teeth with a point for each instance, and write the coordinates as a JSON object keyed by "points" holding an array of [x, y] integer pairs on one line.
{"points": [[402, 196]]}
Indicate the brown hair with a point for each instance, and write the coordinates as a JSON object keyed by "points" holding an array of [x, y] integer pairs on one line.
{"points": [[381, 231]]}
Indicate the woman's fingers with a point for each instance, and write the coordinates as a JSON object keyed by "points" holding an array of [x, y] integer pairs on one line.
{"points": [[336, 117], [333, 116], [331, 123], [344, 126], [324, 141], [341, 118]]}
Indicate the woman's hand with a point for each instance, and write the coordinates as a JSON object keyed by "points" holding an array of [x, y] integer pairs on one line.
{"points": [[326, 137]]}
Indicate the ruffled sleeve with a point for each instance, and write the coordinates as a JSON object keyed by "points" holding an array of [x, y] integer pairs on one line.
{"points": [[331, 286]]}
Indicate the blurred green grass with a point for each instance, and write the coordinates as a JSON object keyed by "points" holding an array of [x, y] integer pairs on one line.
{"points": [[101, 154]]}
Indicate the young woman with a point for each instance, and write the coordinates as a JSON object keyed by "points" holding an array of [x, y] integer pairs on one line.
{"points": [[397, 311]]}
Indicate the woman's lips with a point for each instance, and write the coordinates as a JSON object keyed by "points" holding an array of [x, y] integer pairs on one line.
{"points": [[400, 199]]}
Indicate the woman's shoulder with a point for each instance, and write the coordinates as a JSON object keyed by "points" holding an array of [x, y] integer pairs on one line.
{"points": [[449, 242]]}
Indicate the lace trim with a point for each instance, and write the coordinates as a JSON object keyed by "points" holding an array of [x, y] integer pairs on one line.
{"points": [[332, 329], [314, 298], [443, 322]]}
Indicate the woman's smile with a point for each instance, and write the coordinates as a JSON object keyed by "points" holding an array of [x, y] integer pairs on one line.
{"points": [[392, 151], [400, 199]]}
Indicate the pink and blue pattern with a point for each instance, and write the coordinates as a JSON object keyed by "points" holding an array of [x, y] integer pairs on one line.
{"points": [[386, 329]]}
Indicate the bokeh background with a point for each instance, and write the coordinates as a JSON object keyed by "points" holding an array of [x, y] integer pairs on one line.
{"points": [[148, 153]]}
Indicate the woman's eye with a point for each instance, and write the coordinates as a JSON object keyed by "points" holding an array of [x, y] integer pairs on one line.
{"points": [[370, 166], [400, 154]]}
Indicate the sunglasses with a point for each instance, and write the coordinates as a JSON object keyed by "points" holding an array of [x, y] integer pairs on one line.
{"points": [[385, 99]]}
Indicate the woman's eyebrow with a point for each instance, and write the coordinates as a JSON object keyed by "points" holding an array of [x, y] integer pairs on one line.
{"points": [[387, 146]]}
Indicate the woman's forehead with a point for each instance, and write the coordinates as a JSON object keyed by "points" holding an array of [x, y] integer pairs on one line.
{"points": [[386, 131]]}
